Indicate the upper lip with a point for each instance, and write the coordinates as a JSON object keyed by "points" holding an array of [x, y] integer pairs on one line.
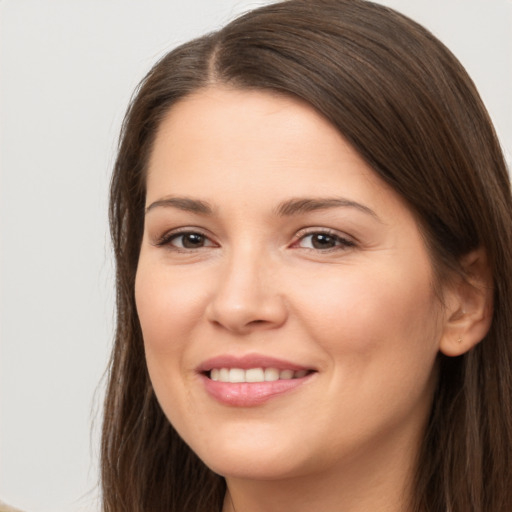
{"points": [[248, 361]]}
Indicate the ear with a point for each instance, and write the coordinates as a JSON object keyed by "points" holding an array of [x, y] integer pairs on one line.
{"points": [[469, 306]]}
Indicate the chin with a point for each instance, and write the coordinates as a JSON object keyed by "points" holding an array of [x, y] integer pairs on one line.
{"points": [[252, 457], [252, 466]]}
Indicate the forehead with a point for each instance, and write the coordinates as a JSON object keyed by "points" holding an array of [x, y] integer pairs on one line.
{"points": [[229, 144], [229, 123]]}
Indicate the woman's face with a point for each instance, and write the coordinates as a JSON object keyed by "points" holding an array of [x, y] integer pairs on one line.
{"points": [[284, 291]]}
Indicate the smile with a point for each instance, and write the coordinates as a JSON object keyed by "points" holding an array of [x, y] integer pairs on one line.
{"points": [[251, 380], [235, 375]]}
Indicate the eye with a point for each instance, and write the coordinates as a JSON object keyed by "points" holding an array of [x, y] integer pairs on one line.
{"points": [[323, 240], [186, 240]]}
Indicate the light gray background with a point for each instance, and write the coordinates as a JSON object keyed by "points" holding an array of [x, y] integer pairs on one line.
{"points": [[68, 68]]}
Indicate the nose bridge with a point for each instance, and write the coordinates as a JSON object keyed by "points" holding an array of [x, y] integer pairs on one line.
{"points": [[247, 295]]}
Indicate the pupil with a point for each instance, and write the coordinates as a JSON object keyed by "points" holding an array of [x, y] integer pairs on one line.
{"points": [[193, 240], [321, 241]]}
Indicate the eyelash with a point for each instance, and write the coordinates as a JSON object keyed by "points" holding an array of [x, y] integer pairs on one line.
{"points": [[168, 238], [340, 242]]}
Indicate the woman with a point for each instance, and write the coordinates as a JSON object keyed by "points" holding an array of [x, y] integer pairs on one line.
{"points": [[311, 219]]}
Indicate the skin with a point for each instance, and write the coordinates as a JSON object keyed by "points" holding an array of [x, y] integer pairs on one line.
{"points": [[360, 309]]}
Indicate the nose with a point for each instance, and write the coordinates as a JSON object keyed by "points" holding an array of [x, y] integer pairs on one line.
{"points": [[247, 296]]}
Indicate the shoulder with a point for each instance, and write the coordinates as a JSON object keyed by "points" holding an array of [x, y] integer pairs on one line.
{"points": [[6, 508]]}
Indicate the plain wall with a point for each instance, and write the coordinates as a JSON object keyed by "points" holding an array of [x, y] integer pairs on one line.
{"points": [[67, 71]]}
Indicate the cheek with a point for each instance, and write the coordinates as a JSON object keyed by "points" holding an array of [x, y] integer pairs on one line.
{"points": [[167, 310], [374, 315], [380, 335], [168, 307]]}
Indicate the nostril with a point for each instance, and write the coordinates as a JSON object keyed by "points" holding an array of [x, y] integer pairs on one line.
{"points": [[242, 310]]}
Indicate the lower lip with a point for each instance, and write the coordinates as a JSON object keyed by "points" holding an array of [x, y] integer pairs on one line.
{"points": [[250, 394]]}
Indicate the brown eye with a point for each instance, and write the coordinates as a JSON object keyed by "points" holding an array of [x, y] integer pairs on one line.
{"points": [[323, 241], [192, 240], [186, 240]]}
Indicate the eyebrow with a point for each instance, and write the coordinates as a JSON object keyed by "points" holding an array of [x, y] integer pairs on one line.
{"points": [[182, 203], [298, 206], [294, 206]]}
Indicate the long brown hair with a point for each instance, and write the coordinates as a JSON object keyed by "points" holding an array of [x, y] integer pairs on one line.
{"points": [[408, 107]]}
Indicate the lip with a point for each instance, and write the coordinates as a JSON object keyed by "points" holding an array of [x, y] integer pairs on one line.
{"points": [[248, 361], [250, 394]]}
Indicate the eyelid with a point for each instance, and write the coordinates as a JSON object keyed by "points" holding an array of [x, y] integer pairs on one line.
{"points": [[346, 240], [168, 236]]}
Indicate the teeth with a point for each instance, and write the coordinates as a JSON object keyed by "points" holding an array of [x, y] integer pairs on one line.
{"points": [[254, 375], [271, 374], [286, 374], [235, 375]]}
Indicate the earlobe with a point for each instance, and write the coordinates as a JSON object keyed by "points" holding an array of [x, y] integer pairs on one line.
{"points": [[469, 306]]}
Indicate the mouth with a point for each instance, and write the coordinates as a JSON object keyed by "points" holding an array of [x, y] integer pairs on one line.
{"points": [[253, 379], [254, 375]]}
